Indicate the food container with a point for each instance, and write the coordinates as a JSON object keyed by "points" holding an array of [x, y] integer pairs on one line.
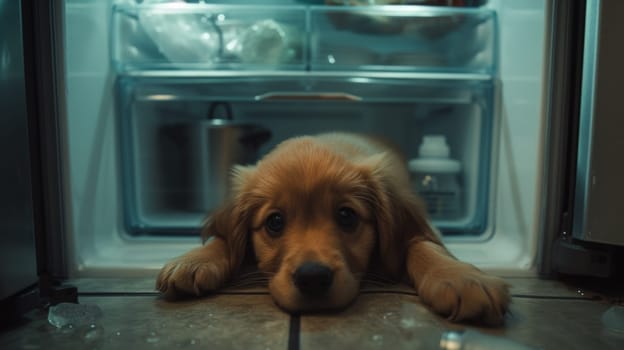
{"points": [[198, 170]]}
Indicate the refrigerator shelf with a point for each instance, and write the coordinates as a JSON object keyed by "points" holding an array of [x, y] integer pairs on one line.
{"points": [[199, 37], [159, 198], [304, 88]]}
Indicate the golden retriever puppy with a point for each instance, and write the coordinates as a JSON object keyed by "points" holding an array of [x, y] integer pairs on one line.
{"points": [[317, 212]]}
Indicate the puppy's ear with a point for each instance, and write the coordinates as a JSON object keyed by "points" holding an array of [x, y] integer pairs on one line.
{"points": [[232, 221], [400, 216]]}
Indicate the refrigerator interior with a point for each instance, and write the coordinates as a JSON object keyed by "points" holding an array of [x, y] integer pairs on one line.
{"points": [[121, 91]]}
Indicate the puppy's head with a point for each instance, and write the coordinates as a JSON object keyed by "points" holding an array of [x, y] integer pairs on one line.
{"points": [[314, 219]]}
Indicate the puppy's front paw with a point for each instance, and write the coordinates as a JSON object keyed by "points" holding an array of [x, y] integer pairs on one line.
{"points": [[463, 293], [185, 275]]}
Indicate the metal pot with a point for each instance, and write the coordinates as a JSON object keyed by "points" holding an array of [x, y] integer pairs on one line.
{"points": [[205, 152]]}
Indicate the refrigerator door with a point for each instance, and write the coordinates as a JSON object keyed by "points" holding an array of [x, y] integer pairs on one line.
{"points": [[599, 188], [31, 210], [582, 189], [18, 263]]}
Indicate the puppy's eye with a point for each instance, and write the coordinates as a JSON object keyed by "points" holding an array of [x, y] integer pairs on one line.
{"points": [[274, 224], [347, 219]]}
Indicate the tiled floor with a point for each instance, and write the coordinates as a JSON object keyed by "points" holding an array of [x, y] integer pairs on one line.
{"points": [[544, 314]]}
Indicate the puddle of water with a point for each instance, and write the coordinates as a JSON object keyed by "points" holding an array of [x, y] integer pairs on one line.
{"points": [[93, 333], [613, 319], [69, 314], [152, 338]]}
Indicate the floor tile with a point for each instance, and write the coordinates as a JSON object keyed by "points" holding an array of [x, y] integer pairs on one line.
{"points": [[374, 321], [249, 282], [396, 321], [560, 324], [139, 322], [114, 285], [533, 286]]}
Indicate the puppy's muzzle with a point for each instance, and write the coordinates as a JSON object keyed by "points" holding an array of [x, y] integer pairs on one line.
{"points": [[313, 279]]}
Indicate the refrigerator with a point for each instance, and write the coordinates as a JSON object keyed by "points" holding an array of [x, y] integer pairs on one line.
{"points": [[120, 116]]}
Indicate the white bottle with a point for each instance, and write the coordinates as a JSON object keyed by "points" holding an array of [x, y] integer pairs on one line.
{"points": [[435, 176]]}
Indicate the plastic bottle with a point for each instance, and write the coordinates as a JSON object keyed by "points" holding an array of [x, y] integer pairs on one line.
{"points": [[435, 176]]}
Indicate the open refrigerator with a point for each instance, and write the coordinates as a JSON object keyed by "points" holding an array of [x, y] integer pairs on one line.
{"points": [[135, 100], [398, 72]]}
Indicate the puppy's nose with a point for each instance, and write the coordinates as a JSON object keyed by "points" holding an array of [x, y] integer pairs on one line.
{"points": [[313, 279]]}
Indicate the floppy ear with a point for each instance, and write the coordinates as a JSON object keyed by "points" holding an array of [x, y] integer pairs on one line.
{"points": [[232, 221], [400, 216]]}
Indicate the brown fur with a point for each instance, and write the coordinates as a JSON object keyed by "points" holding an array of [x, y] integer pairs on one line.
{"points": [[307, 179]]}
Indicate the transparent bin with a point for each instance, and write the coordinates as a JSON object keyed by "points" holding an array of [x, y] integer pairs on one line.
{"points": [[400, 110], [199, 36], [195, 37], [409, 38]]}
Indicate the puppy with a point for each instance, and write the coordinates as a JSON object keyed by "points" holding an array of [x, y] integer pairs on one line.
{"points": [[318, 212]]}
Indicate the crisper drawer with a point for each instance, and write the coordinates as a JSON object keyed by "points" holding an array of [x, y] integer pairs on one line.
{"points": [[175, 151], [199, 36], [217, 37], [403, 38]]}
